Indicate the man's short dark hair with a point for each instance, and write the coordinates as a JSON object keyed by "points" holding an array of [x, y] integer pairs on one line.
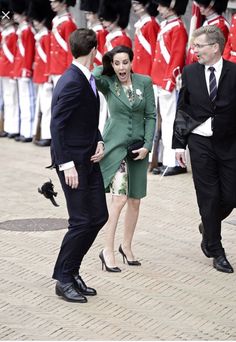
{"points": [[82, 41]]}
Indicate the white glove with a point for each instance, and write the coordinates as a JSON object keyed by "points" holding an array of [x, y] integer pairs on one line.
{"points": [[48, 86], [178, 81], [25, 79]]}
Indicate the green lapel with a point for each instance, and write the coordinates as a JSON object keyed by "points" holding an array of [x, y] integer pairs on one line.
{"points": [[138, 90], [118, 91]]}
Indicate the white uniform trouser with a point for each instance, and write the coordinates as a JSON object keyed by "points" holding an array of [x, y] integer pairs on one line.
{"points": [[43, 105], [103, 114], [11, 105], [27, 106], [1, 107], [167, 107], [55, 79], [1, 96], [156, 137]]}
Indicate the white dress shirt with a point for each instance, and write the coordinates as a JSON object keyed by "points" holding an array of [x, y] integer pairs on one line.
{"points": [[205, 128]]}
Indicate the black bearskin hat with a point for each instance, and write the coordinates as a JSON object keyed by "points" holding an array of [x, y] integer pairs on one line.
{"points": [[71, 3], [5, 10], [19, 6], [217, 5], [151, 7], [89, 5], [40, 10], [112, 10], [179, 6], [68, 2]]}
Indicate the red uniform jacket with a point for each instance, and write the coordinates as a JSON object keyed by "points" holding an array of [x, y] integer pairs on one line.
{"points": [[221, 23], [101, 38], [169, 53], [144, 44], [42, 54], [230, 47], [25, 51], [60, 55], [118, 37], [8, 51]]}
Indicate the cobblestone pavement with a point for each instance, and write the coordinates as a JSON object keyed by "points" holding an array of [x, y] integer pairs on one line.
{"points": [[175, 295]]}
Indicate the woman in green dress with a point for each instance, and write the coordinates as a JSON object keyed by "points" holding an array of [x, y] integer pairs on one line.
{"points": [[132, 112]]}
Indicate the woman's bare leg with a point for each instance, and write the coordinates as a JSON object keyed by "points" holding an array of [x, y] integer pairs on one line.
{"points": [[131, 218], [116, 206]]}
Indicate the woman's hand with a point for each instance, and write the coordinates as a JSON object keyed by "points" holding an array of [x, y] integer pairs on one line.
{"points": [[99, 153], [142, 152]]}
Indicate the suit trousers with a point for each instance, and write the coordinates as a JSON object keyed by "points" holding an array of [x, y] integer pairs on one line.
{"points": [[214, 168], [88, 213]]}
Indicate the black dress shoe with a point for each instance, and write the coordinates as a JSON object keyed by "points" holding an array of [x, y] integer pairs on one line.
{"points": [[158, 170], [13, 135], [204, 243], [19, 137], [43, 142], [25, 140], [82, 287], [221, 264], [3, 134], [68, 292], [175, 170]]}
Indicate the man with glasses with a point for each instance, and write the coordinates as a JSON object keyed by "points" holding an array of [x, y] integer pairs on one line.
{"points": [[206, 122]]}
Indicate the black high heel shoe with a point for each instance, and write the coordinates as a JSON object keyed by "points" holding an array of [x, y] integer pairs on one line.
{"points": [[129, 262], [108, 269]]}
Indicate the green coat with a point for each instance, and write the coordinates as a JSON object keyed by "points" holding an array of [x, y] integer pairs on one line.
{"points": [[127, 123]]}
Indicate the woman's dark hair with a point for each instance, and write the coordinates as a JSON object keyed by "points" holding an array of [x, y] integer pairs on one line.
{"points": [[108, 58]]}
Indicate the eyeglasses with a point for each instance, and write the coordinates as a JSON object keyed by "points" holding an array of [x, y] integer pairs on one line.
{"points": [[200, 46]]}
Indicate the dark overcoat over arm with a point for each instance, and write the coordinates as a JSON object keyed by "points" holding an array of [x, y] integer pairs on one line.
{"points": [[194, 104]]}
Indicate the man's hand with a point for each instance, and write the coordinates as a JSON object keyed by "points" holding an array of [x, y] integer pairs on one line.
{"points": [[71, 177], [99, 153], [142, 152], [180, 157]]}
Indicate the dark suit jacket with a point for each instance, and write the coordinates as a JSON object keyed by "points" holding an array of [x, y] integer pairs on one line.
{"points": [[194, 105], [75, 116]]}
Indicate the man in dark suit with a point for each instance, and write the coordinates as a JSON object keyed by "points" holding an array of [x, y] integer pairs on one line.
{"points": [[206, 121], [76, 149]]}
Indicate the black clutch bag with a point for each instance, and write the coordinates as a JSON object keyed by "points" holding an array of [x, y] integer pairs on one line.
{"points": [[135, 146]]}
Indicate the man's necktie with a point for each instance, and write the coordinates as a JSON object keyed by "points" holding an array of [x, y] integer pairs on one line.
{"points": [[93, 84], [212, 84]]}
